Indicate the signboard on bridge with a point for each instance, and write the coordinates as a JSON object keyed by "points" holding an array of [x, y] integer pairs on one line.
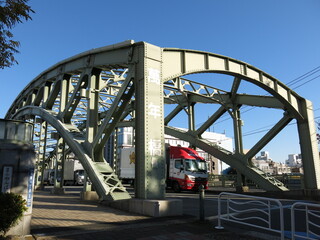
{"points": [[6, 179]]}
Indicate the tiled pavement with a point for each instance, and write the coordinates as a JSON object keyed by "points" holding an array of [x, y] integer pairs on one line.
{"points": [[66, 217], [68, 211]]}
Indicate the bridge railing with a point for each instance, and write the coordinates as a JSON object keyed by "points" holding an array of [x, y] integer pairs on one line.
{"points": [[308, 215], [291, 181], [239, 210], [226, 181]]}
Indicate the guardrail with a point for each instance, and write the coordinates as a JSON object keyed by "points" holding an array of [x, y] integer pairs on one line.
{"points": [[291, 181], [239, 208], [222, 180], [311, 220]]}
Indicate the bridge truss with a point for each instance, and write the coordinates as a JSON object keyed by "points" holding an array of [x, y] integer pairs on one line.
{"points": [[77, 104]]}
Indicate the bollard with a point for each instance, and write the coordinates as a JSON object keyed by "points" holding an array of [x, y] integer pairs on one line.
{"points": [[201, 202]]}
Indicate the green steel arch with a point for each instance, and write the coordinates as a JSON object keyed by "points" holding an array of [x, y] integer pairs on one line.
{"points": [[180, 62], [190, 62], [79, 102]]}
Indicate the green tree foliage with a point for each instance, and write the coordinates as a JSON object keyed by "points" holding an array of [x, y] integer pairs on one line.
{"points": [[12, 208], [12, 12]]}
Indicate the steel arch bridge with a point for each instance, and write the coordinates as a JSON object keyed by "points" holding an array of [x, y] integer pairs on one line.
{"points": [[79, 102]]}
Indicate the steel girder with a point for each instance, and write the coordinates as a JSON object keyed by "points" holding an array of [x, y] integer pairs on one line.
{"points": [[101, 174], [84, 98], [178, 62], [72, 98]]}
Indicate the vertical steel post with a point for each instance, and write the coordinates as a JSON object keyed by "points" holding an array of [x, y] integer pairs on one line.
{"points": [[43, 137], [92, 109], [38, 176], [42, 150], [149, 124], [219, 212], [191, 118], [87, 186], [60, 155], [309, 147], [237, 123], [64, 92], [115, 155], [201, 202], [60, 149]]}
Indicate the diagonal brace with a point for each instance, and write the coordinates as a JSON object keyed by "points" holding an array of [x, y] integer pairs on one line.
{"points": [[234, 89], [284, 121], [172, 114], [74, 99], [113, 115], [211, 120]]}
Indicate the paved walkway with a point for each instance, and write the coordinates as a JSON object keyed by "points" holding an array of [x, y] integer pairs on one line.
{"points": [[69, 211], [67, 217]]}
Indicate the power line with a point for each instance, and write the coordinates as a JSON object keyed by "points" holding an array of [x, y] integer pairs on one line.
{"points": [[265, 130], [255, 130], [290, 83], [303, 76], [306, 82]]}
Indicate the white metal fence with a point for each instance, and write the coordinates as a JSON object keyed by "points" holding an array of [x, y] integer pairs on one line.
{"points": [[239, 209], [309, 216], [268, 215]]}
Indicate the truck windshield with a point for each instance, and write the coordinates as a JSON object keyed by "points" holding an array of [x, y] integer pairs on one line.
{"points": [[195, 165]]}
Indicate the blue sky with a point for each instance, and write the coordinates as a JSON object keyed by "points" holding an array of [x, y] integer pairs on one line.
{"points": [[280, 37]]}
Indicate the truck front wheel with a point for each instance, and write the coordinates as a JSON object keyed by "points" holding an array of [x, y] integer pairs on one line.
{"points": [[176, 187]]}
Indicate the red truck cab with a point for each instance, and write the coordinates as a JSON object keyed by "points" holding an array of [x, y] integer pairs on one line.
{"points": [[186, 170]]}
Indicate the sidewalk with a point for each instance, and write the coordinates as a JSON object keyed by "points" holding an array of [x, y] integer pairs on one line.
{"points": [[67, 217]]}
